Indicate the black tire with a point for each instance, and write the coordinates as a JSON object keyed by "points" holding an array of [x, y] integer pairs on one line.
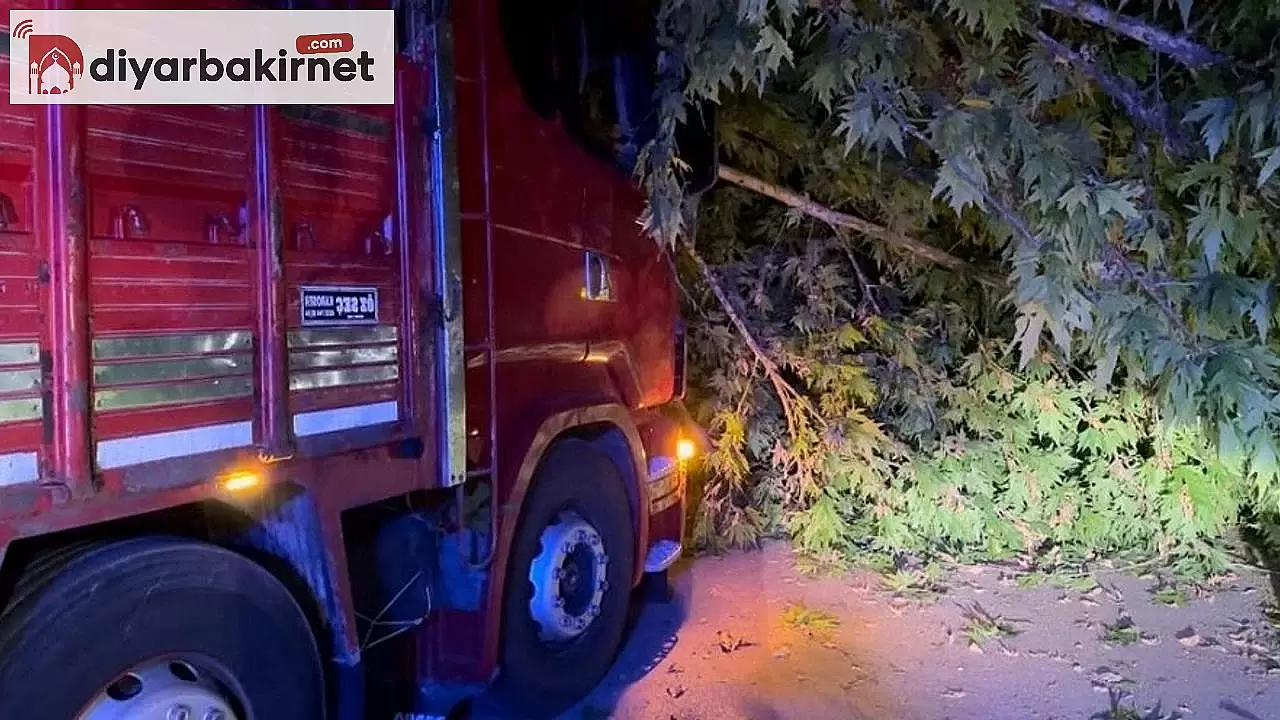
{"points": [[542, 679], [116, 605]]}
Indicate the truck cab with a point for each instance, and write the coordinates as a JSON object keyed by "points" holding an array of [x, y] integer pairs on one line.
{"points": [[338, 412]]}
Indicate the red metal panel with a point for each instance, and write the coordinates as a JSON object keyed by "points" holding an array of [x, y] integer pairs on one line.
{"points": [[21, 257], [339, 201], [647, 306], [473, 171], [170, 258]]}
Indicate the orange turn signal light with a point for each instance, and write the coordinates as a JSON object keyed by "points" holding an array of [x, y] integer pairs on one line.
{"points": [[240, 482], [685, 450]]}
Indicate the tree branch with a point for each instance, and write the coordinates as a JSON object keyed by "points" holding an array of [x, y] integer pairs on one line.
{"points": [[821, 212], [792, 401], [1125, 92], [1181, 48], [868, 297]]}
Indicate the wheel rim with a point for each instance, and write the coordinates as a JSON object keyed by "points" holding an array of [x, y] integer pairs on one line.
{"points": [[568, 578], [168, 689]]}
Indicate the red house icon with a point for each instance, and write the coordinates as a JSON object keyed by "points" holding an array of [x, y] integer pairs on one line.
{"points": [[56, 64]]}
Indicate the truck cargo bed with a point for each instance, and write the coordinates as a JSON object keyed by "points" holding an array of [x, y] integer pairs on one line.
{"points": [[186, 240]]}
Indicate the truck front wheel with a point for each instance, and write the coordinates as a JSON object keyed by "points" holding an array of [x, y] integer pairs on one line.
{"points": [[157, 628], [569, 580]]}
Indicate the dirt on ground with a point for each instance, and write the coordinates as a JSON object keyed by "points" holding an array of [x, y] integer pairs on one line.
{"points": [[748, 636]]}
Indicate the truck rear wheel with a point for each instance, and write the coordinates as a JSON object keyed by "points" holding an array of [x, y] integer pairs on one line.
{"points": [[157, 628], [568, 581]]}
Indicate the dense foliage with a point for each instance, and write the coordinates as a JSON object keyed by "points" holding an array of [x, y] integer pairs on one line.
{"points": [[1048, 325]]}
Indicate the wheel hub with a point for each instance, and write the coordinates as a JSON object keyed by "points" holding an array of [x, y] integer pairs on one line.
{"points": [[162, 690], [568, 578]]}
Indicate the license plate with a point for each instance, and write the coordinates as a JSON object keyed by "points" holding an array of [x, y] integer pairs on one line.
{"points": [[338, 306]]}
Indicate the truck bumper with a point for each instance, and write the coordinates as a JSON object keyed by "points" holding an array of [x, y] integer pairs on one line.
{"points": [[672, 440]]}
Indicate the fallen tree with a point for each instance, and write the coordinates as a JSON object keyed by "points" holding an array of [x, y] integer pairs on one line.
{"points": [[967, 238]]}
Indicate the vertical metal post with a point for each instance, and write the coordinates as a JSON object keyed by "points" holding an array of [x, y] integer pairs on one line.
{"points": [[60, 149], [266, 232], [451, 363], [409, 226]]}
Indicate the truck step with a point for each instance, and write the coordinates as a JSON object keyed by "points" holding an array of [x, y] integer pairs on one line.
{"points": [[662, 555]]}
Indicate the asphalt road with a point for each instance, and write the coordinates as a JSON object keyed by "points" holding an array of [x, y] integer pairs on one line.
{"points": [[749, 637]]}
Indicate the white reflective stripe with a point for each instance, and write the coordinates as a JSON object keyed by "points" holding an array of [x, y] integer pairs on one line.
{"points": [[327, 421], [18, 468], [123, 452]]}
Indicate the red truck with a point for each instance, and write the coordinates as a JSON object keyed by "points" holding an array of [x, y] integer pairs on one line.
{"points": [[338, 412]]}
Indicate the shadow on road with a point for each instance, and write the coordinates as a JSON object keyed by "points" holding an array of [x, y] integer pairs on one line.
{"points": [[652, 635]]}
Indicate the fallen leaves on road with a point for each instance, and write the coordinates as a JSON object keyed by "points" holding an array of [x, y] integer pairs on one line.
{"points": [[981, 626], [1107, 676], [1121, 632], [812, 621], [1188, 637], [730, 642]]}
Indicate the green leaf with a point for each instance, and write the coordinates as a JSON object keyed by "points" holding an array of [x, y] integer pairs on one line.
{"points": [[752, 11], [1030, 327], [1107, 366], [1113, 199], [1228, 439], [1263, 464], [1184, 7], [1214, 117], [787, 12], [1207, 228], [1260, 312], [954, 186], [774, 49], [996, 17], [1077, 196], [1269, 167]]}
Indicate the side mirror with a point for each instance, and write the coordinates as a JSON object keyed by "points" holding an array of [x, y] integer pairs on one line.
{"points": [[698, 142]]}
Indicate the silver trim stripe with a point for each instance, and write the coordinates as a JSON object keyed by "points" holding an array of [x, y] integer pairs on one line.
{"points": [[320, 337], [124, 348], [173, 370], [20, 378], [312, 359], [323, 358], [174, 394], [19, 410], [664, 483], [341, 378], [19, 468], [24, 353], [157, 370], [138, 449], [16, 381], [321, 422]]}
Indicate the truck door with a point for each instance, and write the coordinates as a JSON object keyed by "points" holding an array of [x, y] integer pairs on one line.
{"points": [[547, 205]]}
